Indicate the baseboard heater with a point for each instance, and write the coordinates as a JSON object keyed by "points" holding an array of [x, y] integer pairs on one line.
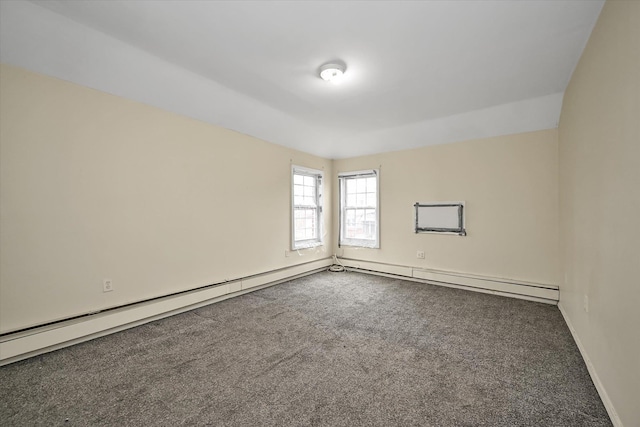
{"points": [[531, 291], [30, 342]]}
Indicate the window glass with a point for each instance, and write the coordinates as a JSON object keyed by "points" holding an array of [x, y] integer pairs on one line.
{"points": [[359, 209]]}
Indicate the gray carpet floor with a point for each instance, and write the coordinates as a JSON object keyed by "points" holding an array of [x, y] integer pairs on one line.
{"points": [[334, 349]]}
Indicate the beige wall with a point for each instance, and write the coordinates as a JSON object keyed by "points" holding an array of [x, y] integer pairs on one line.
{"points": [[509, 184], [599, 140], [94, 186]]}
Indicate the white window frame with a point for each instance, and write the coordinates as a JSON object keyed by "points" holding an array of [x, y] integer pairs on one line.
{"points": [[318, 175], [342, 179]]}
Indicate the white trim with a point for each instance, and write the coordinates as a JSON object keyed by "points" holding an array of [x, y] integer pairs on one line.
{"points": [[604, 396], [306, 170], [358, 243], [358, 173], [512, 288], [22, 345]]}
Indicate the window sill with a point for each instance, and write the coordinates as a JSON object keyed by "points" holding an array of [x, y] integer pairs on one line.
{"points": [[362, 245], [307, 246]]}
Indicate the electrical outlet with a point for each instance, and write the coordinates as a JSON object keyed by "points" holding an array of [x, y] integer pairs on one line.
{"points": [[287, 253], [586, 303], [107, 285], [420, 254]]}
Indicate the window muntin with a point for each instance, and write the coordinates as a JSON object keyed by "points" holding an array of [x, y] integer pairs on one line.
{"points": [[359, 210], [306, 191]]}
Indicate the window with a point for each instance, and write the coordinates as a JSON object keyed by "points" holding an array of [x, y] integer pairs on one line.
{"points": [[306, 207], [359, 213]]}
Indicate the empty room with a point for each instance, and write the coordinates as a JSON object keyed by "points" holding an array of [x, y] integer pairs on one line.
{"points": [[320, 213]]}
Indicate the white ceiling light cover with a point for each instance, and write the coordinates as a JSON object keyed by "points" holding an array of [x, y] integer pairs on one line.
{"points": [[332, 72]]}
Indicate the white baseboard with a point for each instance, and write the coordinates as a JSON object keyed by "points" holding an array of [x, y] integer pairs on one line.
{"points": [[497, 286], [22, 345], [615, 419]]}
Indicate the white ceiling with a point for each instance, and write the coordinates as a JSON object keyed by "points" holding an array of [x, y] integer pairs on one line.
{"points": [[418, 73]]}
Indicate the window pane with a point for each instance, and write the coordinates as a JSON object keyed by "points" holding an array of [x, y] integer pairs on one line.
{"points": [[360, 224], [371, 199], [361, 199], [371, 184], [369, 225], [297, 179], [370, 215], [309, 180], [351, 216], [351, 200], [305, 224], [361, 185], [309, 191], [298, 190], [351, 185]]}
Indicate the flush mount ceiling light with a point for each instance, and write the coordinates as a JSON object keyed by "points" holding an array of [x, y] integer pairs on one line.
{"points": [[332, 72]]}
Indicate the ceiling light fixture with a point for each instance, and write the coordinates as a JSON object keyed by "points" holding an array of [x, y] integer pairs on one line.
{"points": [[332, 72]]}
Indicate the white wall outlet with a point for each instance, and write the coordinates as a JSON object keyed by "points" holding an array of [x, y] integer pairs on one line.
{"points": [[586, 303], [107, 285], [420, 254]]}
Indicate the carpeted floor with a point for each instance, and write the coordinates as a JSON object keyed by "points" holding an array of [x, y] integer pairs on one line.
{"points": [[335, 349]]}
